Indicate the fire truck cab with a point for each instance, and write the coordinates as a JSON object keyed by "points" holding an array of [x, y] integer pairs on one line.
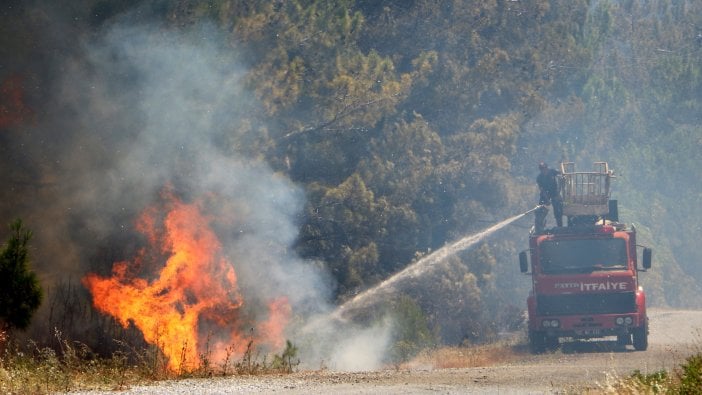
{"points": [[585, 275]]}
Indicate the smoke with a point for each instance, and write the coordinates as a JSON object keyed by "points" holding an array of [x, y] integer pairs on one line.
{"points": [[362, 348], [341, 345], [139, 108]]}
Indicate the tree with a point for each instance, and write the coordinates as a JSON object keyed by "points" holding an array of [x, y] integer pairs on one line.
{"points": [[21, 293]]}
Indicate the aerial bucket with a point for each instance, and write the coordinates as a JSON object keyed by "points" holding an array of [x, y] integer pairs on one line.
{"points": [[586, 193]]}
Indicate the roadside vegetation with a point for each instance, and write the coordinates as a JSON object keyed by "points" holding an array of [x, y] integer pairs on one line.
{"points": [[469, 356], [408, 124], [685, 379], [31, 369], [21, 292], [27, 366]]}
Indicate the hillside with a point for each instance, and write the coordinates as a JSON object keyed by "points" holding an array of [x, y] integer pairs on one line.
{"points": [[328, 145]]}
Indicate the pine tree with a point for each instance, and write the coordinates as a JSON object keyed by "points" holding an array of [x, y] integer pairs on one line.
{"points": [[21, 294]]}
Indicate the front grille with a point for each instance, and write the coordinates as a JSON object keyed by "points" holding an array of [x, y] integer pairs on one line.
{"points": [[611, 303]]}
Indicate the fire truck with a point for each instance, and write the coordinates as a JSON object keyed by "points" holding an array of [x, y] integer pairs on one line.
{"points": [[584, 275]]}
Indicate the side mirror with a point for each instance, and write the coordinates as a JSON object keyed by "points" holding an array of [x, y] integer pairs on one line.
{"points": [[523, 262], [647, 252]]}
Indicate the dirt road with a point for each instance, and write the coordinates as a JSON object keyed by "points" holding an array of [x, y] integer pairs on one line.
{"points": [[674, 335]]}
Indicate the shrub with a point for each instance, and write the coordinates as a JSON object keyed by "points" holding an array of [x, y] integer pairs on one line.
{"points": [[656, 382], [690, 375], [412, 332], [21, 293]]}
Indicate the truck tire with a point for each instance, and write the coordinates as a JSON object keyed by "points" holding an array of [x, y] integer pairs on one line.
{"points": [[623, 340], [537, 342], [552, 343], [641, 338]]}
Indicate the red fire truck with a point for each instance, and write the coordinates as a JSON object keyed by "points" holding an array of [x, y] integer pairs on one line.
{"points": [[585, 274]]}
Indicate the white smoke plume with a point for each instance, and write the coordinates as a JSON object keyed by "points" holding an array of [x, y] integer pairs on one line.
{"points": [[139, 108]]}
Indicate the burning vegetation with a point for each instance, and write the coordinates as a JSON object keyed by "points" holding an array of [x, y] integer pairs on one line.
{"points": [[349, 140], [193, 300]]}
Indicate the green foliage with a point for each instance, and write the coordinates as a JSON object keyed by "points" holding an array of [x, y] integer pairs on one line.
{"points": [[599, 24], [287, 361], [461, 278], [690, 375], [411, 330], [22, 293], [605, 94], [351, 220], [655, 382], [314, 77], [687, 379], [412, 123]]}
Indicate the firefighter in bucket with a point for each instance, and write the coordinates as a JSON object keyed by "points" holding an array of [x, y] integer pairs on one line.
{"points": [[548, 181]]}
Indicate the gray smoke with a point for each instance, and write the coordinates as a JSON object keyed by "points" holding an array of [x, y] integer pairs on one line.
{"points": [[140, 108], [177, 99]]}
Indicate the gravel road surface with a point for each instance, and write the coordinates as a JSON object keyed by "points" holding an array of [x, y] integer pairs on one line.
{"points": [[674, 334]]}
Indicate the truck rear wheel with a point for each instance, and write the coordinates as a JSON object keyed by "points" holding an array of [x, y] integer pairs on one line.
{"points": [[641, 338]]}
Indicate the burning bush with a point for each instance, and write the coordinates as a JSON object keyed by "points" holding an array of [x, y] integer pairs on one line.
{"points": [[194, 300]]}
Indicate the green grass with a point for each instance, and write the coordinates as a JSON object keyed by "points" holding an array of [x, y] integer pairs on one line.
{"points": [[685, 380]]}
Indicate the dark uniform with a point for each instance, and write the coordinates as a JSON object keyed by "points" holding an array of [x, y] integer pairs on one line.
{"points": [[548, 187]]}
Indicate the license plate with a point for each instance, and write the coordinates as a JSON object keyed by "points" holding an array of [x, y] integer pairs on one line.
{"points": [[588, 332]]}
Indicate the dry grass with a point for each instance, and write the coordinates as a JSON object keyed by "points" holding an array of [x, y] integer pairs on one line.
{"points": [[36, 370], [467, 357], [32, 369]]}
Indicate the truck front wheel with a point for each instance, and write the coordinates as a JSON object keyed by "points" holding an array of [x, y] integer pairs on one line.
{"points": [[552, 343], [537, 342], [623, 340], [640, 336]]}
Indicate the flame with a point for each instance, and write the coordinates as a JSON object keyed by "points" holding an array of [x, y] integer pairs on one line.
{"points": [[194, 295]]}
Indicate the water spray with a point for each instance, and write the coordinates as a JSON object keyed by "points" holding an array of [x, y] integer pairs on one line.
{"points": [[420, 267]]}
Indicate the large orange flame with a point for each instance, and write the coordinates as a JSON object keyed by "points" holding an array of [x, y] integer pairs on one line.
{"points": [[193, 306]]}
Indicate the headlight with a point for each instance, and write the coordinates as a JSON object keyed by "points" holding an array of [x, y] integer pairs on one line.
{"points": [[550, 323], [628, 320], [619, 320]]}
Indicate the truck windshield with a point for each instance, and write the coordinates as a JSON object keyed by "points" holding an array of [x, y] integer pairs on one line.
{"points": [[582, 256]]}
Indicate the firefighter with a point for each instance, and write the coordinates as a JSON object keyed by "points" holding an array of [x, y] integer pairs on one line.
{"points": [[547, 180]]}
